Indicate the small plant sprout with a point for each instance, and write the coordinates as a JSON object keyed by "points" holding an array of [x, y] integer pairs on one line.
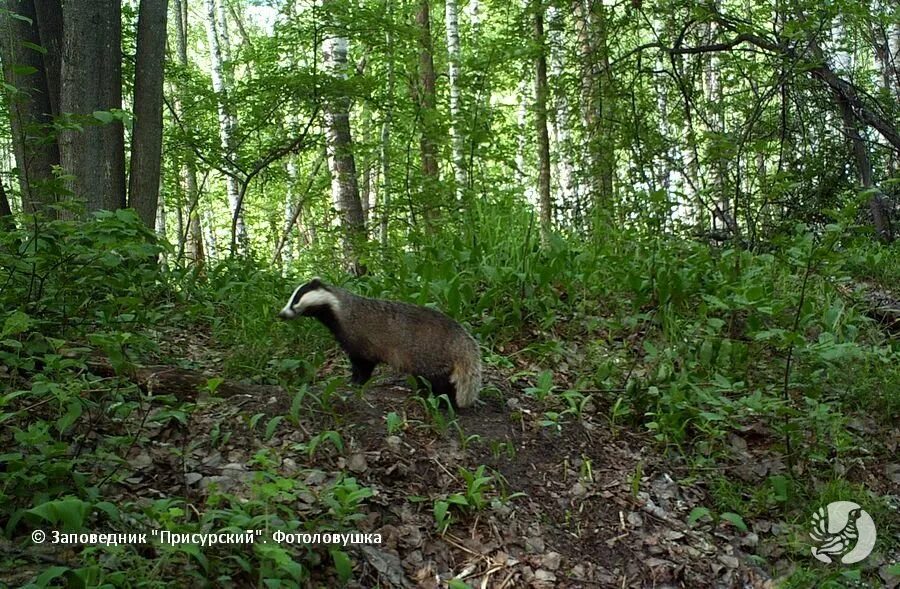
{"points": [[587, 470], [576, 402], [395, 424], [543, 388], [465, 440], [498, 449], [552, 420]]}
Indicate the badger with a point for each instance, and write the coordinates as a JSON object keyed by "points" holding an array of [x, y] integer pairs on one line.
{"points": [[414, 340]]}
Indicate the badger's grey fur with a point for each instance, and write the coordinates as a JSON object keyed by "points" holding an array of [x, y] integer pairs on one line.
{"points": [[414, 340]]}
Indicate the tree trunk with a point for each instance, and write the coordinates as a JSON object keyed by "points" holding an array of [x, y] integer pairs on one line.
{"points": [[209, 235], [427, 101], [293, 223], [560, 121], [605, 107], [725, 214], [92, 81], [887, 47], [540, 121], [50, 24], [522, 139], [194, 236], [291, 214], [218, 49], [474, 12], [453, 50], [195, 232], [664, 168], [880, 214], [598, 100], [146, 141], [161, 222], [5, 209], [31, 106], [341, 162], [385, 192], [689, 172], [877, 207], [587, 58], [894, 44]]}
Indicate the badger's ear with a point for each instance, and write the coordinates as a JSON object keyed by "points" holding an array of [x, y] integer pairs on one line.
{"points": [[315, 283]]}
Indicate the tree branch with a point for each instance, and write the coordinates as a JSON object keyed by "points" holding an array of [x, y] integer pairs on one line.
{"points": [[262, 164], [816, 68]]}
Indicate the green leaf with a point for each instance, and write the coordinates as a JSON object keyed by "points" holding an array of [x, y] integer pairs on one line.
{"points": [[270, 427], [457, 499], [342, 564], [17, 322], [734, 519], [212, 384], [71, 512], [697, 514], [34, 47], [50, 574], [109, 509], [440, 514], [73, 412], [104, 116], [24, 70], [706, 352], [194, 550]]}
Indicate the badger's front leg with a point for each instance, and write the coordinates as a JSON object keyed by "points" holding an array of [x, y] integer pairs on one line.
{"points": [[361, 370]]}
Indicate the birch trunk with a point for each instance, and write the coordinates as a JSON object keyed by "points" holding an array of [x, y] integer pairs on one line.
{"points": [[893, 65], [188, 171], [453, 50], [540, 121], [724, 211], [290, 213], [341, 162], [664, 165], [218, 48], [427, 102], [877, 206], [604, 103], [160, 220], [560, 120], [522, 140], [585, 54], [209, 235], [385, 191]]}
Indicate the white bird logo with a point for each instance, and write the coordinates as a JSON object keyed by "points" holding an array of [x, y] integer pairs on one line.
{"points": [[842, 530]]}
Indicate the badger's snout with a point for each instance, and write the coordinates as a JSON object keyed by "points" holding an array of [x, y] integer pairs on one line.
{"points": [[286, 314]]}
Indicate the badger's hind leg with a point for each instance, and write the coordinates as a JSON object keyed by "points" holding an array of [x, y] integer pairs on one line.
{"points": [[360, 369]]}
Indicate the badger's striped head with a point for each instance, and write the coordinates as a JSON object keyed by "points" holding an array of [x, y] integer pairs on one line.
{"points": [[307, 298]]}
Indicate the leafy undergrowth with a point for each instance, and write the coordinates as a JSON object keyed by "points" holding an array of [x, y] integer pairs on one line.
{"points": [[641, 424]]}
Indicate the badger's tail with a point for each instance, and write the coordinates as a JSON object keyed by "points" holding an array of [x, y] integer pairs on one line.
{"points": [[466, 377]]}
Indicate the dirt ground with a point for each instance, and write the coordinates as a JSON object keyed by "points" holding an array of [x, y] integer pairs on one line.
{"points": [[586, 505]]}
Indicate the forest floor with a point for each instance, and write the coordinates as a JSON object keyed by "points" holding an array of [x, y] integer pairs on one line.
{"points": [[533, 501], [587, 504]]}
